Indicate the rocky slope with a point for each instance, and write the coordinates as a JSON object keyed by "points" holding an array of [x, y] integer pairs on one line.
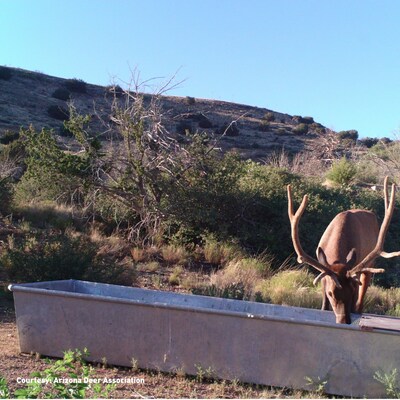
{"points": [[32, 98]]}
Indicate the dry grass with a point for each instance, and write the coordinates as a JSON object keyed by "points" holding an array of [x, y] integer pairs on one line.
{"points": [[382, 301], [138, 254], [303, 163], [292, 288], [174, 254], [219, 253], [46, 214], [176, 276], [247, 271], [150, 266]]}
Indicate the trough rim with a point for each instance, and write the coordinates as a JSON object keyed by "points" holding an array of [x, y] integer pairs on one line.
{"points": [[31, 288]]}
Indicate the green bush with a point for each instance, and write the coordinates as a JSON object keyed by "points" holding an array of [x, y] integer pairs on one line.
{"points": [[39, 258], [342, 172], [50, 172], [58, 112], [184, 128], [204, 122], [369, 142], [292, 288], [5, 73], [300, 129], [76, 85], [264, 126], [190, 100], [9, 137], [269, 117], [61, 94], [352, 134], [228, 130], [116, 91]]}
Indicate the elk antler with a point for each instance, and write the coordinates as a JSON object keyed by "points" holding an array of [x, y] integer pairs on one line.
{"points": [[378, 249], [302, 256]]}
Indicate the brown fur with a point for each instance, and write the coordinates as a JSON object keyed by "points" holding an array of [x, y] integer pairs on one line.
{"points": [[353, 229]]}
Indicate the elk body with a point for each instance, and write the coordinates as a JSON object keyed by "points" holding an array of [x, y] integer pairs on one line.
{"points": [[345, 254]]}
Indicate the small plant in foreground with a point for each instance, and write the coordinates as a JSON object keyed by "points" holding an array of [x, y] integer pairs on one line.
{"points": [[68, 378], [134, 364], [389, 380], [316, 384], [4, 392], [204, 374]]}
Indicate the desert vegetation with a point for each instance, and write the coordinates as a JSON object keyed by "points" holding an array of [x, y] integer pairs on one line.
{"points": [[137, 205], [177, 211]]}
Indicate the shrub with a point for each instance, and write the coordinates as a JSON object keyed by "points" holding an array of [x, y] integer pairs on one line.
{"points": [[65, 131], [176, 276], [9, 137], [5, 73], [61, 94], [264, 126], [218, 253], [190, 100], [6, 194], [138, 254], [76, 85], [150, 266], [46, 214], [231, 291], [292, 288], [342, 172], [352, 134], [303, 120], [184, 128], [308, 120], [228, 130], [116, 91], [300, 129], [174, 254], [58, 112], [269, 117], [369, 142], [204, 122], [246, 272], [39, 258]]}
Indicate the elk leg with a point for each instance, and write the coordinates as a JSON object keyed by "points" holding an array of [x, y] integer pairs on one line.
{"points": [[325, 301], [365, 279]]}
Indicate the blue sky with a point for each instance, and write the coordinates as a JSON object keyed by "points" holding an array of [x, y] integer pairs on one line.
{"points": [[337, 61]]}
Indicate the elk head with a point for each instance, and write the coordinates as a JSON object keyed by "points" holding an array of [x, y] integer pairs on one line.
{"points": [[344, 280]]}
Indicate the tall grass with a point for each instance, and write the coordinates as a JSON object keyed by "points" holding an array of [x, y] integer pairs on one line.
{"points": [[247, 272], [292, 288], [173, 254], [219, 253]]}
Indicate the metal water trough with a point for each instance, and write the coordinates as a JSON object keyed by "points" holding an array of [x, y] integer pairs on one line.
{"points": [[252, 342]]}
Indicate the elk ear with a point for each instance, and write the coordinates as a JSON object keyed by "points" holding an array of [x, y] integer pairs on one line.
{"points": [[351, 258], [322, 257]]}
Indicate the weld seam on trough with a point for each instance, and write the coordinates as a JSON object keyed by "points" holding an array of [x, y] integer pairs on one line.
{"points": [[240, 314]]}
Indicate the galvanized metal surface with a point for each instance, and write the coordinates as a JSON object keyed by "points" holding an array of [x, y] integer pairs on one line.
{"points": [[252, 342]]}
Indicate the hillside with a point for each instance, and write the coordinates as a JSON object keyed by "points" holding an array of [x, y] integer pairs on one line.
{"points": [[30, 98]]}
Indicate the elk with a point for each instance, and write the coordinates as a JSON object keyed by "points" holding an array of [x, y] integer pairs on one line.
{"points": [[345, 254]]}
